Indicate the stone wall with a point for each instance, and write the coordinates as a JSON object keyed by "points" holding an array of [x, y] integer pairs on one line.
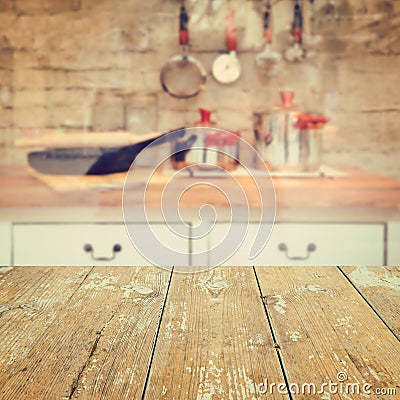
{"points": [[94, 65]]}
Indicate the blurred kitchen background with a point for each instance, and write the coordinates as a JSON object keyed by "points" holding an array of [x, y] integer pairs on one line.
{"points": [[94, 65]]}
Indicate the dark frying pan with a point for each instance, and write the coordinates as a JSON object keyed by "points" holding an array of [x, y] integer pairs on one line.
{"points": [[91, 161], [65, 161]]}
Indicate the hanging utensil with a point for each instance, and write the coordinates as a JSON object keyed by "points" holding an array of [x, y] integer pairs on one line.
{"points": [[226, 67], [312, 9], [312, 17], [268, 56], [183, 76], [296, 52]]}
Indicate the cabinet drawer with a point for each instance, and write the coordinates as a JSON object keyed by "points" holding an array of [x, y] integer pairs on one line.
{"points": [[60, 244], [393, 244], [5, 244], [312, 244]]}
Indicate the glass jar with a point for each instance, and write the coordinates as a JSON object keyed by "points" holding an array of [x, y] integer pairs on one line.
{"points": [[288, 140]]}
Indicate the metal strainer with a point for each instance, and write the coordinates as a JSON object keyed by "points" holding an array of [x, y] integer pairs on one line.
{"points": [[183, 76]]}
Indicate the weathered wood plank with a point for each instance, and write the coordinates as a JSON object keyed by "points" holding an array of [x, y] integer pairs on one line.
{"points": [[30, 300], [84, 352], [214, 340], [324, 327], [120, 363], [381, 287]]}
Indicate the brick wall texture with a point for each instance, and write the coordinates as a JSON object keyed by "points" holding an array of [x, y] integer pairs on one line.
{"points": [[95, 64]]}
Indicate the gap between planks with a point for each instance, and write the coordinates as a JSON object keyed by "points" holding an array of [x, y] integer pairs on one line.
{"points": [[380, 286], [105, 325], [274, 336], [214, 340], [156, 335], [325, 328], [370, 304]]}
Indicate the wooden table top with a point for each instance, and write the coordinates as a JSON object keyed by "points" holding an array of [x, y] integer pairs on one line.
{"points": [[227, 333], [358, 189]]}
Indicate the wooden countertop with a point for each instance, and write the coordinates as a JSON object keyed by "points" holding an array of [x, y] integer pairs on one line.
{"points": [[359, 192], [147, 333]]}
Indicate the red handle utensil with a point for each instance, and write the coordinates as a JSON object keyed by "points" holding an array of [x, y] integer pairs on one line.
{"points": [[183, 26], [230, 31]]}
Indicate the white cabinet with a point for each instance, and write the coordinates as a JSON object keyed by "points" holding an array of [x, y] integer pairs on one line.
{"points": [[310, 244], [109, 244], [86, 244], [393, 244], [5, 244]]}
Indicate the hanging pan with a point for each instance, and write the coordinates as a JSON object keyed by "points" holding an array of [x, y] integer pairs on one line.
{"points": [[183, 76], [226, 67]]}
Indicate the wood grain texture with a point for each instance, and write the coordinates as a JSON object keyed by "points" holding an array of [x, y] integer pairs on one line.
{"points": [[324, 327], [381, 286], [109, 321], [118, 367], [90, 333], [214, 340], [30, 300]]}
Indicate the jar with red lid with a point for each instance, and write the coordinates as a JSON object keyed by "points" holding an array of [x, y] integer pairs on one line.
{"points": [[289, 140], [206, 146]]}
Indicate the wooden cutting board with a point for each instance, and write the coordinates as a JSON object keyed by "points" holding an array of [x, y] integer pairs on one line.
{"points": [[55, 139], [73, 183]]}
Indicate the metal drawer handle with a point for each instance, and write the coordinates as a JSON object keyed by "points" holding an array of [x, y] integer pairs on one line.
{"points": [[311, 247], [89, 249]]}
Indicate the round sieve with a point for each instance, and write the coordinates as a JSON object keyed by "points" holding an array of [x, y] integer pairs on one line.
{"points": [[183, 76]]}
